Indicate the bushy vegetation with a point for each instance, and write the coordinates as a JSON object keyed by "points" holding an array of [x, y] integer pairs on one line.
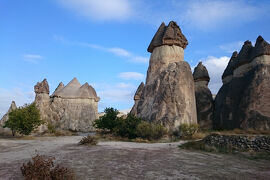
{"points": [[150, 131], [43, 168], [188, 130], [130, 127], [108, 121], [88, 140], [24, 119]]}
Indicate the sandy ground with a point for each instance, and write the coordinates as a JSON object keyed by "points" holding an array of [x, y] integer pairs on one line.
{"points": [[126, 160]]}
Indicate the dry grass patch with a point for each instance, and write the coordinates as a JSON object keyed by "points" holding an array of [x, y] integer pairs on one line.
{"points": [[88, 140]]}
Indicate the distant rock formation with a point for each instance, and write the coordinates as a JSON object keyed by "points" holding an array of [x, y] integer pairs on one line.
{"points": [[244, 99], [71, 107], [204, 99], [168, 96], [5, 117]]}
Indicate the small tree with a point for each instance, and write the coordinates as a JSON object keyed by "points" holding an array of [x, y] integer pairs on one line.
{"points": [[24, 119], [108, 121]]}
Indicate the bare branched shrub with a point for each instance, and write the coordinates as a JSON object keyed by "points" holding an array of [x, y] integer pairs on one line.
{"points": [[43, 168], [88, 140]]}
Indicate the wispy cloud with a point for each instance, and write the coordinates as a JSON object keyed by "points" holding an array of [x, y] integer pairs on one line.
{"points": [[215, 67], [100, 10], [131, 76], [117, 51], [231, 47], [32, 58]]}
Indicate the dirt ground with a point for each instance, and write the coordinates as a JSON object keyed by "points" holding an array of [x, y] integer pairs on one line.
{"points": [[128, 160]]}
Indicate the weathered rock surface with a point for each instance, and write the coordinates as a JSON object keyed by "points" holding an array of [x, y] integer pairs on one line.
{"points": [[244, 99], [70, 107], [137, 98], [168, 96], [42, 87], [204, 100], [5, 117]]}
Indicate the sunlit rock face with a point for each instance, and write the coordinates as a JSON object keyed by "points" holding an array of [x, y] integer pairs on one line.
{"points": [[244, 99], [71, 107], [204, 99], [168, 96]]}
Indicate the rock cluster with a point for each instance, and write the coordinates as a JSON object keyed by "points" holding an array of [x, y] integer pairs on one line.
{"points": [[243, 101], [204, 99], [239, 142], [5, 117], [168, 95], [70, 107]]}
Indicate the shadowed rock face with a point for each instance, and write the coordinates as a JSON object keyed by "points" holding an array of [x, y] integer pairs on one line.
{"points": [[70, 107], [168, 96], [168, 35], [244, 99], [204, 100]]}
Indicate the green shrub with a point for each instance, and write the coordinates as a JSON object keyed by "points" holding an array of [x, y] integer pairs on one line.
{"points": [[24, 119], [108, 121], [150, 131], [44, 168], [51, 128], [187, 130], [88, 140], [127, 127]]}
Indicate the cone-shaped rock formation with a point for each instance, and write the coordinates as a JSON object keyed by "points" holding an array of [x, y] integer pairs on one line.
{"points": [[244, 99], [168, 95], [204, 99]]}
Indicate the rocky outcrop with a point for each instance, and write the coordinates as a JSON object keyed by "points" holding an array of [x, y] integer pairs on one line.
{"points": [[244, 99], [42, 87], [168, 96], [70, 107], [137, 98], [239, 142], [5, 117], [204, 100]]}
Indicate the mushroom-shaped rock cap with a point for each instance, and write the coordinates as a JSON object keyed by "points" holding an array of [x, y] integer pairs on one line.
{"points": [[58, 89], [42, 87], [168, 35], [244, 54], [230, 67], [261, 48], [200, 73], [87, 91], [138, 93]]}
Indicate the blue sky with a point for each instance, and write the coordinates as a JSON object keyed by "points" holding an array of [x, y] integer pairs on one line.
{"points": [[104, 42]]}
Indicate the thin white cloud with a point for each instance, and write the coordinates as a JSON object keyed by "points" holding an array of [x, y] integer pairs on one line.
{"points": [[32, 58], [100, 9], [215, 67], [18, 95], [131, 76], [117, 51], [231, 47]]}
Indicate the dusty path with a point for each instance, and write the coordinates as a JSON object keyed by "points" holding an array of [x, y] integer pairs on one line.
{"points": [[125, 160]]}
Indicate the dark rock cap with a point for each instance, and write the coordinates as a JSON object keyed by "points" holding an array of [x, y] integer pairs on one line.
{"points": [[168, 35], [138, 93], [230, 67], [244, 55], [42, 87], [200, 73], [261, 48]]}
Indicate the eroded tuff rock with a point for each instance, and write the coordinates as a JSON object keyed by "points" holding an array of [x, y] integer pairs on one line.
{"points": [[137, 98], [168, 35], [244, 99], [168, 96], [204, 99], [70, 107], [5, 117], [42, 87]]}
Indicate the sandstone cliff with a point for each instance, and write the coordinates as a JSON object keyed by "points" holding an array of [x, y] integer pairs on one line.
{"points": [[168, 95], [244, 99]]}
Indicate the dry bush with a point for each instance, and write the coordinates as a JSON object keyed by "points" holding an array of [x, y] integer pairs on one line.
{"points": [[88, 140], [43, 168]]}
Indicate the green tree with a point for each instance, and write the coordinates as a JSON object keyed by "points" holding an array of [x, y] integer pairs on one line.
{"points": [[108, 121], [24, 119]]}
